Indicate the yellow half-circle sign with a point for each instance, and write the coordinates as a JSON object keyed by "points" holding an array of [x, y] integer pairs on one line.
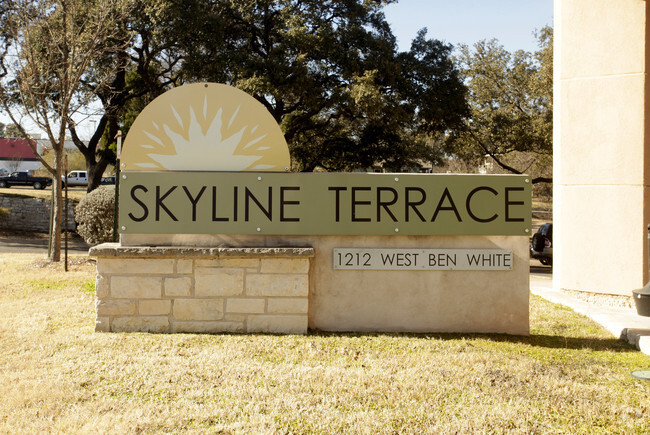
{"points": [[205, 127]]}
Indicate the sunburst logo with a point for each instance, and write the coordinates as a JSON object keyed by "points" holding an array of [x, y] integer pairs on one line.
{"points": [[205, 127]]}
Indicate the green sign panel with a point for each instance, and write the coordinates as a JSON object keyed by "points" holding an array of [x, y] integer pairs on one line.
{"points": [[323, 203]]}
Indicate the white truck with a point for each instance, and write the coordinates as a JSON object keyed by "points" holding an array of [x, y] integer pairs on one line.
{"points": [[76, 178]]}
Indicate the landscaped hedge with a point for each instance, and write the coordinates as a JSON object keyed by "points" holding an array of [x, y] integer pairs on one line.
{"points": [[94, 215]]}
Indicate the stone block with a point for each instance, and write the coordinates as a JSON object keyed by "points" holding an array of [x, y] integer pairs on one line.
{"points": [[242, 306], [181, 286], [184, 266], [112, 307], [136, 266], [198, 309], [218, 282], [244, 263], [136, 287], [277, 285], [210, 262], [285, 265], [102, 286], [154, 307], [141, 324], [208, 327], [287, 306], [102, 324], [277, 324]]}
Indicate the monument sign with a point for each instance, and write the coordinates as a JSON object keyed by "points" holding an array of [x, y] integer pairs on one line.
{"points": [[218, 235]]}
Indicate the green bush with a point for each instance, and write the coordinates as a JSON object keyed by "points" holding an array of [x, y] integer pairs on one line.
{"points": [[94, 215]]}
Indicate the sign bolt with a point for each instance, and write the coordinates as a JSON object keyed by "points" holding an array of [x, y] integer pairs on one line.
{"points": [[397, 230], [527, 230], [396, 179], [123, 228], [124, 165], [259, 178], [124, 177], [527, 180], [259, 229]]}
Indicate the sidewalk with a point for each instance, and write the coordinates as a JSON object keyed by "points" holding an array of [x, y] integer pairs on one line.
{"points": [[37, 243], [622, 322]]}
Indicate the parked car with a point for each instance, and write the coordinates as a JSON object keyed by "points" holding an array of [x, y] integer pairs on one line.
{"points": [[75, 178], [24, 179], [541, 247]]}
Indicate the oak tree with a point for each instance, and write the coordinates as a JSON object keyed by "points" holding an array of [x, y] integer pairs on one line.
{"points": [[330, 74], [511, 107]]}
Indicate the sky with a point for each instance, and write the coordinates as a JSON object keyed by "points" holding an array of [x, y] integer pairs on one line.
{"points": [[512, 22]]}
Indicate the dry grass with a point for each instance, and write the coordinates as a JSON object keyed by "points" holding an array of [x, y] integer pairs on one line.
{"points": [[59, 376], [74, 193]]}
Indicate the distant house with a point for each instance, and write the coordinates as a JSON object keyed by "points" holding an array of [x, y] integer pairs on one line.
{"points": [[17, 155]]}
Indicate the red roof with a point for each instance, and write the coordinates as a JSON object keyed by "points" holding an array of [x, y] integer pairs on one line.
{"points": [[15, 148]]}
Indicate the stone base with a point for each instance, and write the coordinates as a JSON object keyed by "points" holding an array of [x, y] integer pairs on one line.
{"points": [[206, 290], [287, 284]]}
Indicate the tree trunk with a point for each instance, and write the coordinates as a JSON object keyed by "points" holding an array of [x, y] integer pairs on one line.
{"points": [[95, 172], [57, 205]]}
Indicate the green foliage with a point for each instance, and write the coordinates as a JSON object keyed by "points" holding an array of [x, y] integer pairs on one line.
{"points": [[9, 130], [88, 287], [330, 74], [94, 214], [511, 106], [46, 285]]}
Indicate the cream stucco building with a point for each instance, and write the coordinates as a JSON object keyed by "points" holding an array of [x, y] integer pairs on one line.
{"points": [[601, 154]]}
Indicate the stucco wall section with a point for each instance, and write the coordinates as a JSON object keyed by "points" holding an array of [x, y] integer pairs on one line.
{"points": [[601, 159]]}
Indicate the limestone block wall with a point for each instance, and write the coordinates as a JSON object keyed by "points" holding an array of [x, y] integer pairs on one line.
{"points": [[204, 290], [30, 214]]}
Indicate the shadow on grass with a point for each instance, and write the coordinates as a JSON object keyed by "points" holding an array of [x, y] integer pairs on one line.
{"points": [[546, 341]]}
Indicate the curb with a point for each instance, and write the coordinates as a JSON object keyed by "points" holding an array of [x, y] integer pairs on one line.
{"points": [[639, 338], [622, 323]]}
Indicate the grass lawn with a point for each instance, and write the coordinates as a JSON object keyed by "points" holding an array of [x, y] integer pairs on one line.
{"points": [[569, 376]]}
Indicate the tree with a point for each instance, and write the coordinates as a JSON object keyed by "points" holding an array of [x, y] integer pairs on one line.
{"points": [[47, 48], [14, 163], [330, 74], [511, 107], [12, 131], [139, 66]]}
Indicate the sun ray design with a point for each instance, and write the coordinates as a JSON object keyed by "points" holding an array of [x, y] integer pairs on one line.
{"points": [[206, 127], [204, 150]]}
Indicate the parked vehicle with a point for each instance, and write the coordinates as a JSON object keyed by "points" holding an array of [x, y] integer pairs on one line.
{"points": [[541, 247], [76, 178], [108, 180], [24, 179]]}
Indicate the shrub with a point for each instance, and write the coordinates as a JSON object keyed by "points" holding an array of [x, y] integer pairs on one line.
{"points": [[94, 215]]}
